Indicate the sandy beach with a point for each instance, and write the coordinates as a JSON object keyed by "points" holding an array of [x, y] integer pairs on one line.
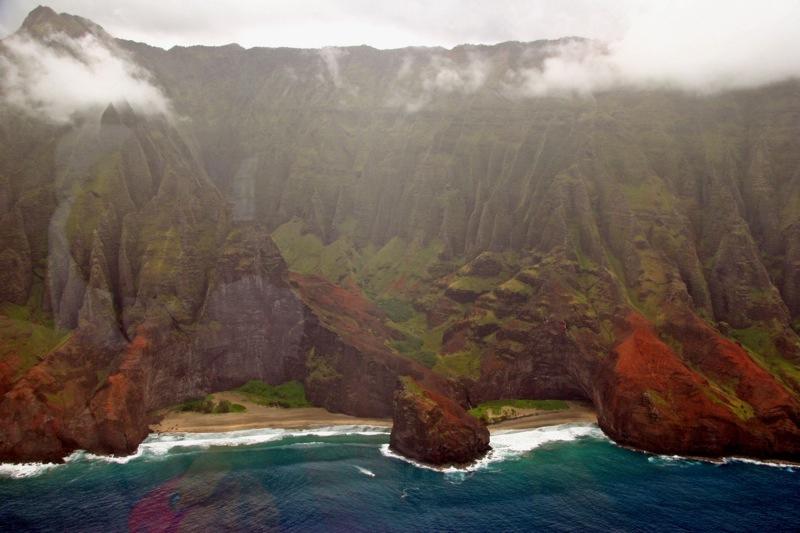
{"points": [[575, 413], [259, 416]]}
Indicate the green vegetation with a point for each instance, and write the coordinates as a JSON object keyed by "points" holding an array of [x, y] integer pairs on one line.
{"points": [[318, 368], [466, 363], [655, 398], [515, 286], [759, 343], [411, 386], [757, 339], [396, 268], [26, 337], [498, 410], [474, 284], [206, 405], [419, 343], [305, 253], [725, 395], [397, 310], [488, 317], [411, 347], [289, 394]]}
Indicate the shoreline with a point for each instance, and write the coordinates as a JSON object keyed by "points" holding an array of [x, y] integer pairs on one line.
{"points": [[214, 429], [262, 417]]}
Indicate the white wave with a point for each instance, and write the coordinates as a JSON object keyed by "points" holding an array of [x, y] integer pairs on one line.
{"points": [[160, 444], [671, 460], [509, 444], [366, 472], [791, 467], [689, 460], [22, 470]]}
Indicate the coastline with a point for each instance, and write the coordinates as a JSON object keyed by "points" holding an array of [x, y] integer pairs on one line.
{"points": [[262, 417], [509, 438], [257, 417]]}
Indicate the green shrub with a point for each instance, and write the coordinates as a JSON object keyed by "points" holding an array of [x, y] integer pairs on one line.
{"points": [[289, 394], [199, 405], [224, 406], [206, 405], [490, 411]]}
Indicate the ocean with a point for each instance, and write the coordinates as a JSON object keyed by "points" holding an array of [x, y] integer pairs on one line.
{"points": [[561, 478]]}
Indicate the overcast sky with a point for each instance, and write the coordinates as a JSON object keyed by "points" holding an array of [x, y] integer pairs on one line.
{"points": [[701, 46], [317, 23]]}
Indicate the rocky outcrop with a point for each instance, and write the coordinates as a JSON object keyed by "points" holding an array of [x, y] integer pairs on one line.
{"points": [[433, 429], [653, 399]]}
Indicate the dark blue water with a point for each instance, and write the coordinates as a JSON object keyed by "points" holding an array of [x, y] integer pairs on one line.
{"points": [[345, 483]]}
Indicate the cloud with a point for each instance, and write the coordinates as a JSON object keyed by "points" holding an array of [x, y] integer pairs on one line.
{"points": [[694, 46], [330, 57], [698, 45], [63, 76], [320, 23], [446, 76], [440, 76], [575, 67]]}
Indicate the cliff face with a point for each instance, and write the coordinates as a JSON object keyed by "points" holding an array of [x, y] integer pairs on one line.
{"points": [[432, 428], [340, 218]]}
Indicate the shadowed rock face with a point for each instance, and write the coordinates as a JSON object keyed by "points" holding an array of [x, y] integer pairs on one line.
{"points": [[432, 428], [639, 250]]}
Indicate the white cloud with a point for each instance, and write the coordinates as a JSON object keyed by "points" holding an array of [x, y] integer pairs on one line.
{"points": [[696, 46], [440, 76], [446, 76], [330, 57], [320, 23], [64, 76]]}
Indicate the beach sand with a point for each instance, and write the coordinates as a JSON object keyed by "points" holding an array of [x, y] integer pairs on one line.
{"points": [[259, 416], [575, 413]]}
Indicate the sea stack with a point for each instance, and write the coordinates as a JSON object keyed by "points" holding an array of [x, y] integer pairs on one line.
{"points": [[433, 429]]}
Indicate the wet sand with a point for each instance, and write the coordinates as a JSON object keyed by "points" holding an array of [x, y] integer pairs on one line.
{"points": [[259, 416]]}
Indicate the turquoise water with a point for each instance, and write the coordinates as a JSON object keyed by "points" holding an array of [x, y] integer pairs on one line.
{"points": [[553, 479]]}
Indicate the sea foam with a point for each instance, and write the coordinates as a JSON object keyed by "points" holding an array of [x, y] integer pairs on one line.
{"points": [[160, 444], [509, 444], [21, 470], [365, 471]]}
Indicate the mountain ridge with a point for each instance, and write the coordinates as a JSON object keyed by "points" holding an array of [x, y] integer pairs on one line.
{"points": [[639, 249]]}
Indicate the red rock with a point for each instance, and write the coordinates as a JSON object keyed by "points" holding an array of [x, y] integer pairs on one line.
{"points": [[433, 429]]}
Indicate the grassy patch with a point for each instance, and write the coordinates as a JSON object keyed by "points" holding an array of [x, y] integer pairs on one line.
{"points": [[411, 386], [466, 363], [756, 339], [396, 310], [759, 343], [516, 287], [29, 340], [208, 406], [488, 317], [411, 347], [497, 410], [289, 394], [474, 284]]}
